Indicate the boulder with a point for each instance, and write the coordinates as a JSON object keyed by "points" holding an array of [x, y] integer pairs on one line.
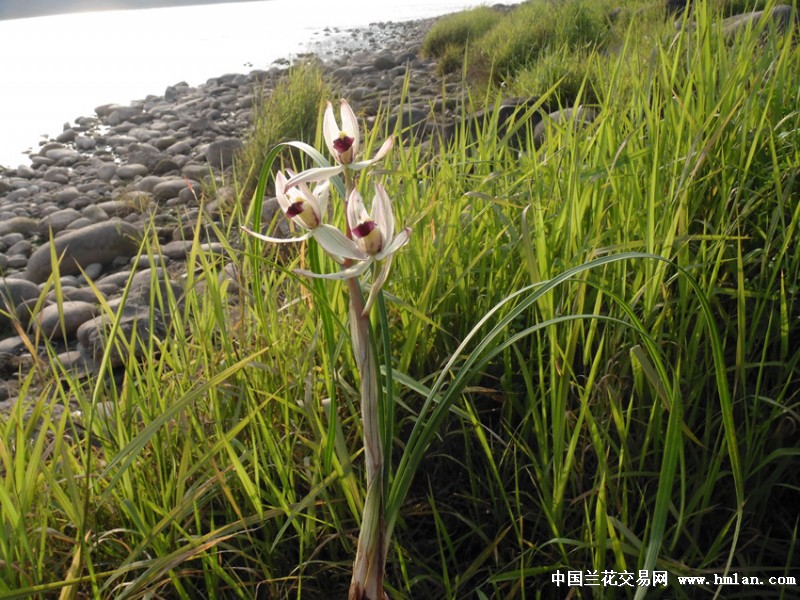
{"points": [[63, 320], [781, 17], [23, 225], [136, 326], [578, 115], [98, 243], [58, 221], [220, 153], [508, 113], [170, 188], [14, 292]]}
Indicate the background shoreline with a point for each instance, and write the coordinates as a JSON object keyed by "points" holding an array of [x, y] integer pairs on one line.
{"points": [[31, 9], [131, 54]]}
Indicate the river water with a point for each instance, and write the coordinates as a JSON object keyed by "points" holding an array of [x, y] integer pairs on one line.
{"points": [[58, 68]]}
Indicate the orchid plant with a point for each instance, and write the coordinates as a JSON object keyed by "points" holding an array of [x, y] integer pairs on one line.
{"points": [[368, 240]]}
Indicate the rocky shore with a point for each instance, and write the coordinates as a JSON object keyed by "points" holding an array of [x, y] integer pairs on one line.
{"points": [[97, 185]]}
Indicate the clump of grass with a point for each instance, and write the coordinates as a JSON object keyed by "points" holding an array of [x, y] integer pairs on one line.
{"points": [[458, 30], [533, 28], [451, 60], [287, 112], [567, 74]]}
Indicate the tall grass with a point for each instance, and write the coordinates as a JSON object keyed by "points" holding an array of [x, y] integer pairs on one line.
{"points": [[458, 29], [594, 368], [287, 111]]}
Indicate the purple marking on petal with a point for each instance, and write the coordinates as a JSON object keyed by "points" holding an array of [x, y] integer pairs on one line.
{"points": [[295, 209], [343, 143], [362, 230]]}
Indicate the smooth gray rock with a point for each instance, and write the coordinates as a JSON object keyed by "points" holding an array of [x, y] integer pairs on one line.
{"points": [[172, 187], [780, 17], [23, 225], [68, 135], [63, 155], [10, 347], [75, 362], [66, 195], [57, 175], [132, 170], [107, 171], [141, 287], [63, 320], [83, 142], [10, 239], [94, 213], [17, 195], [116, 141], [196, 171], [58, 221], [23, 247], [384, 61], [13, 294], [410, 118], [15, 291], [144, 154], [134, 327], [127, 204], [83, 294], [79, 223], [149, 183], [118, 114], [180, 249], [26, 172], [220, 153], [164, 142], [164, 166], [16, 261], [99, 243]]}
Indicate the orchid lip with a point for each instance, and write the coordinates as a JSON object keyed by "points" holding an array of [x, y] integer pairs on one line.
{"points": [[364, 229], [295, 209], [343, 143]]}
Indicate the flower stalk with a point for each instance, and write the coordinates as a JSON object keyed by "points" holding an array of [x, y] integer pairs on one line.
{"points": [[370, 561]]}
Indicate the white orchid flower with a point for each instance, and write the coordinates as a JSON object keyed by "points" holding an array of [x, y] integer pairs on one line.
{"points": [[306, 209], [344, 143], [372, 240]]}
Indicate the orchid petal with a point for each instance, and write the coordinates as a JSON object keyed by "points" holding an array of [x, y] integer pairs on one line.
{"points": [[382, 212], [330, 130], [377, 284], [363, 164], [400, 240], [356, 212], [318, 199], [316, 174], [334, 242], [280, 192], [275, 240], [350, 124], [348, 273], [322, 192], [384, 149]]}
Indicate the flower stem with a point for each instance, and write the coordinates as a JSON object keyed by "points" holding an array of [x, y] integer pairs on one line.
{"points": [[370, 561]]}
